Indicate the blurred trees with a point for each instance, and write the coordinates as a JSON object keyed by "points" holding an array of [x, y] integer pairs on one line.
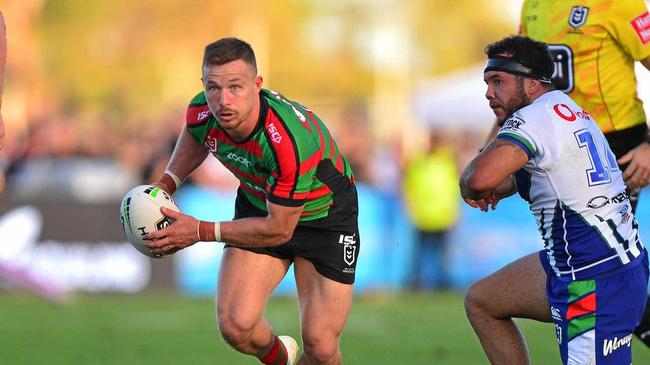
{"points": [[113, 60]]}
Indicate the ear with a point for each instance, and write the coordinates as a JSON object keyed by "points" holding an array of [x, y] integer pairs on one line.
{"points": [[259, 80], [532, 86]]}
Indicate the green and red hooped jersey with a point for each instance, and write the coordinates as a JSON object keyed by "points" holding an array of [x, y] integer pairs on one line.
{"points": [[278, 162]]}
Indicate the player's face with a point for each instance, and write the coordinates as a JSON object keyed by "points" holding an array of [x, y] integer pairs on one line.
{"points": [[505, 92], [232, 91]]}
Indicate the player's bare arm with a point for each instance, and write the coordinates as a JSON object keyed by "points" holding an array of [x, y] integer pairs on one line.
{"points": [[490, 170], [272, 230], [187, 156]]}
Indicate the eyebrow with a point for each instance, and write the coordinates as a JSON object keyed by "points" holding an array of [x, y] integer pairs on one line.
{"points": [[228, 81]]}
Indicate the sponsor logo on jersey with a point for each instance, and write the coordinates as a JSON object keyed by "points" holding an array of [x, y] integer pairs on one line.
{"points": [[203, 115], [600, 201], [625, 214], [241, 159], [211, 142], [641, 25], [610, 346], [555, 313], [275, 135], [578, 16], [513, 123], [349, 248], [254, 187], [564, 112]]}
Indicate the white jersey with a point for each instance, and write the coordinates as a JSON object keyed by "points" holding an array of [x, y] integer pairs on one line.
{"points": [[574, 187]]}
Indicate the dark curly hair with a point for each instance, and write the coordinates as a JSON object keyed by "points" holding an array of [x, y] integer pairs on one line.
{"points": [[523, 50]]}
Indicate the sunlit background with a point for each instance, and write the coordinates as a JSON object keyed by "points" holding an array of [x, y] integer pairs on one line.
{"points": [[95, 94]]}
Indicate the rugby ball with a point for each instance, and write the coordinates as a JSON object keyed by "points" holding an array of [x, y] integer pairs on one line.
{"points": [[140, 214]]}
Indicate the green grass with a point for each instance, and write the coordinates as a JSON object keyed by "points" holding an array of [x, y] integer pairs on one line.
{"points": [[159, 328]]}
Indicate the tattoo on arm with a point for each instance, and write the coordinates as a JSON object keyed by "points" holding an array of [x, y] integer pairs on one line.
{"points": [[499, 143]]}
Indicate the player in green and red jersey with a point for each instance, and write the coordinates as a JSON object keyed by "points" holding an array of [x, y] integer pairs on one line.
{"points": [[297, 203]]}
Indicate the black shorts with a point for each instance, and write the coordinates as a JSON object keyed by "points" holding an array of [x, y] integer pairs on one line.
{"points": [[331, 243]]}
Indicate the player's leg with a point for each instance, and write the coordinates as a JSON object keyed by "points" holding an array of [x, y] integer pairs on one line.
{"points": [[517, 290], [246, 281], [324, 308]]}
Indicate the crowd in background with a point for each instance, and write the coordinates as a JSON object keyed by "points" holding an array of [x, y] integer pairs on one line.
{"points": [[96, 160]]}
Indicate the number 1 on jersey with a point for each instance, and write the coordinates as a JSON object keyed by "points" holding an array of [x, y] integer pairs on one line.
{"points": [[600, 171]]}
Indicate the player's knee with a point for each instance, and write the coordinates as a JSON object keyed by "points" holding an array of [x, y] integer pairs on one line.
{"points": [[475, 300], [234, 329], [320, 349]]}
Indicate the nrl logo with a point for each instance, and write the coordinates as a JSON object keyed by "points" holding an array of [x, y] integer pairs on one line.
{"points": [[578, 16], [349, 248], [211, 142]]}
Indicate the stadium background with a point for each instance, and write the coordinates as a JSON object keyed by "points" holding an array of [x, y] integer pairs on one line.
{"points": [[94, 97]]}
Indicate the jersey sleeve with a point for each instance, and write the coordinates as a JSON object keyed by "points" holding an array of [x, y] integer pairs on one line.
{"points": [[290, 182], [630, 25], [518, 131], [197, 117]]}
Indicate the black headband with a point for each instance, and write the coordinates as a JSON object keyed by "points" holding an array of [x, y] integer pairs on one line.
{"points": [[500, 64]]}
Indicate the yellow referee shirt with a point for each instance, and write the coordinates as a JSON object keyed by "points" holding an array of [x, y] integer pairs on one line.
{"points": [[594, 44]]}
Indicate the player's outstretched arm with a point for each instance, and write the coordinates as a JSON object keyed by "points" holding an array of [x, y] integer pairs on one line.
{"points": [[272, 230], [187, 156], [488, 176]]}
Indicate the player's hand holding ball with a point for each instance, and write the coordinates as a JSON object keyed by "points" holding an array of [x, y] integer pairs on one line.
{"points": [[182, 233], [153, 223]]}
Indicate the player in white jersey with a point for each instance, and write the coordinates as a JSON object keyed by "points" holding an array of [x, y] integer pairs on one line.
{"points": [[591, 277]]}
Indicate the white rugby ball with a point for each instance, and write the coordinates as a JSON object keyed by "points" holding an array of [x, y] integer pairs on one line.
{"points": [[140, 214]]}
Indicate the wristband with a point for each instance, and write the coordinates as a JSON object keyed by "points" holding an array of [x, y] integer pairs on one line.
{"points": [[177, 180], [166, 184], [209, 231], [217, 231]]}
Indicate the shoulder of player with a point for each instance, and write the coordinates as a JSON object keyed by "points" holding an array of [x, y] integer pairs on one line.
{"points": [[288, 110], [535, 113], [198, 111], [284, 117]]}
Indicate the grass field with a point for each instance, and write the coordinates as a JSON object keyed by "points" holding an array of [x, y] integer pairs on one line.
{"points": [[159, 328]]}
